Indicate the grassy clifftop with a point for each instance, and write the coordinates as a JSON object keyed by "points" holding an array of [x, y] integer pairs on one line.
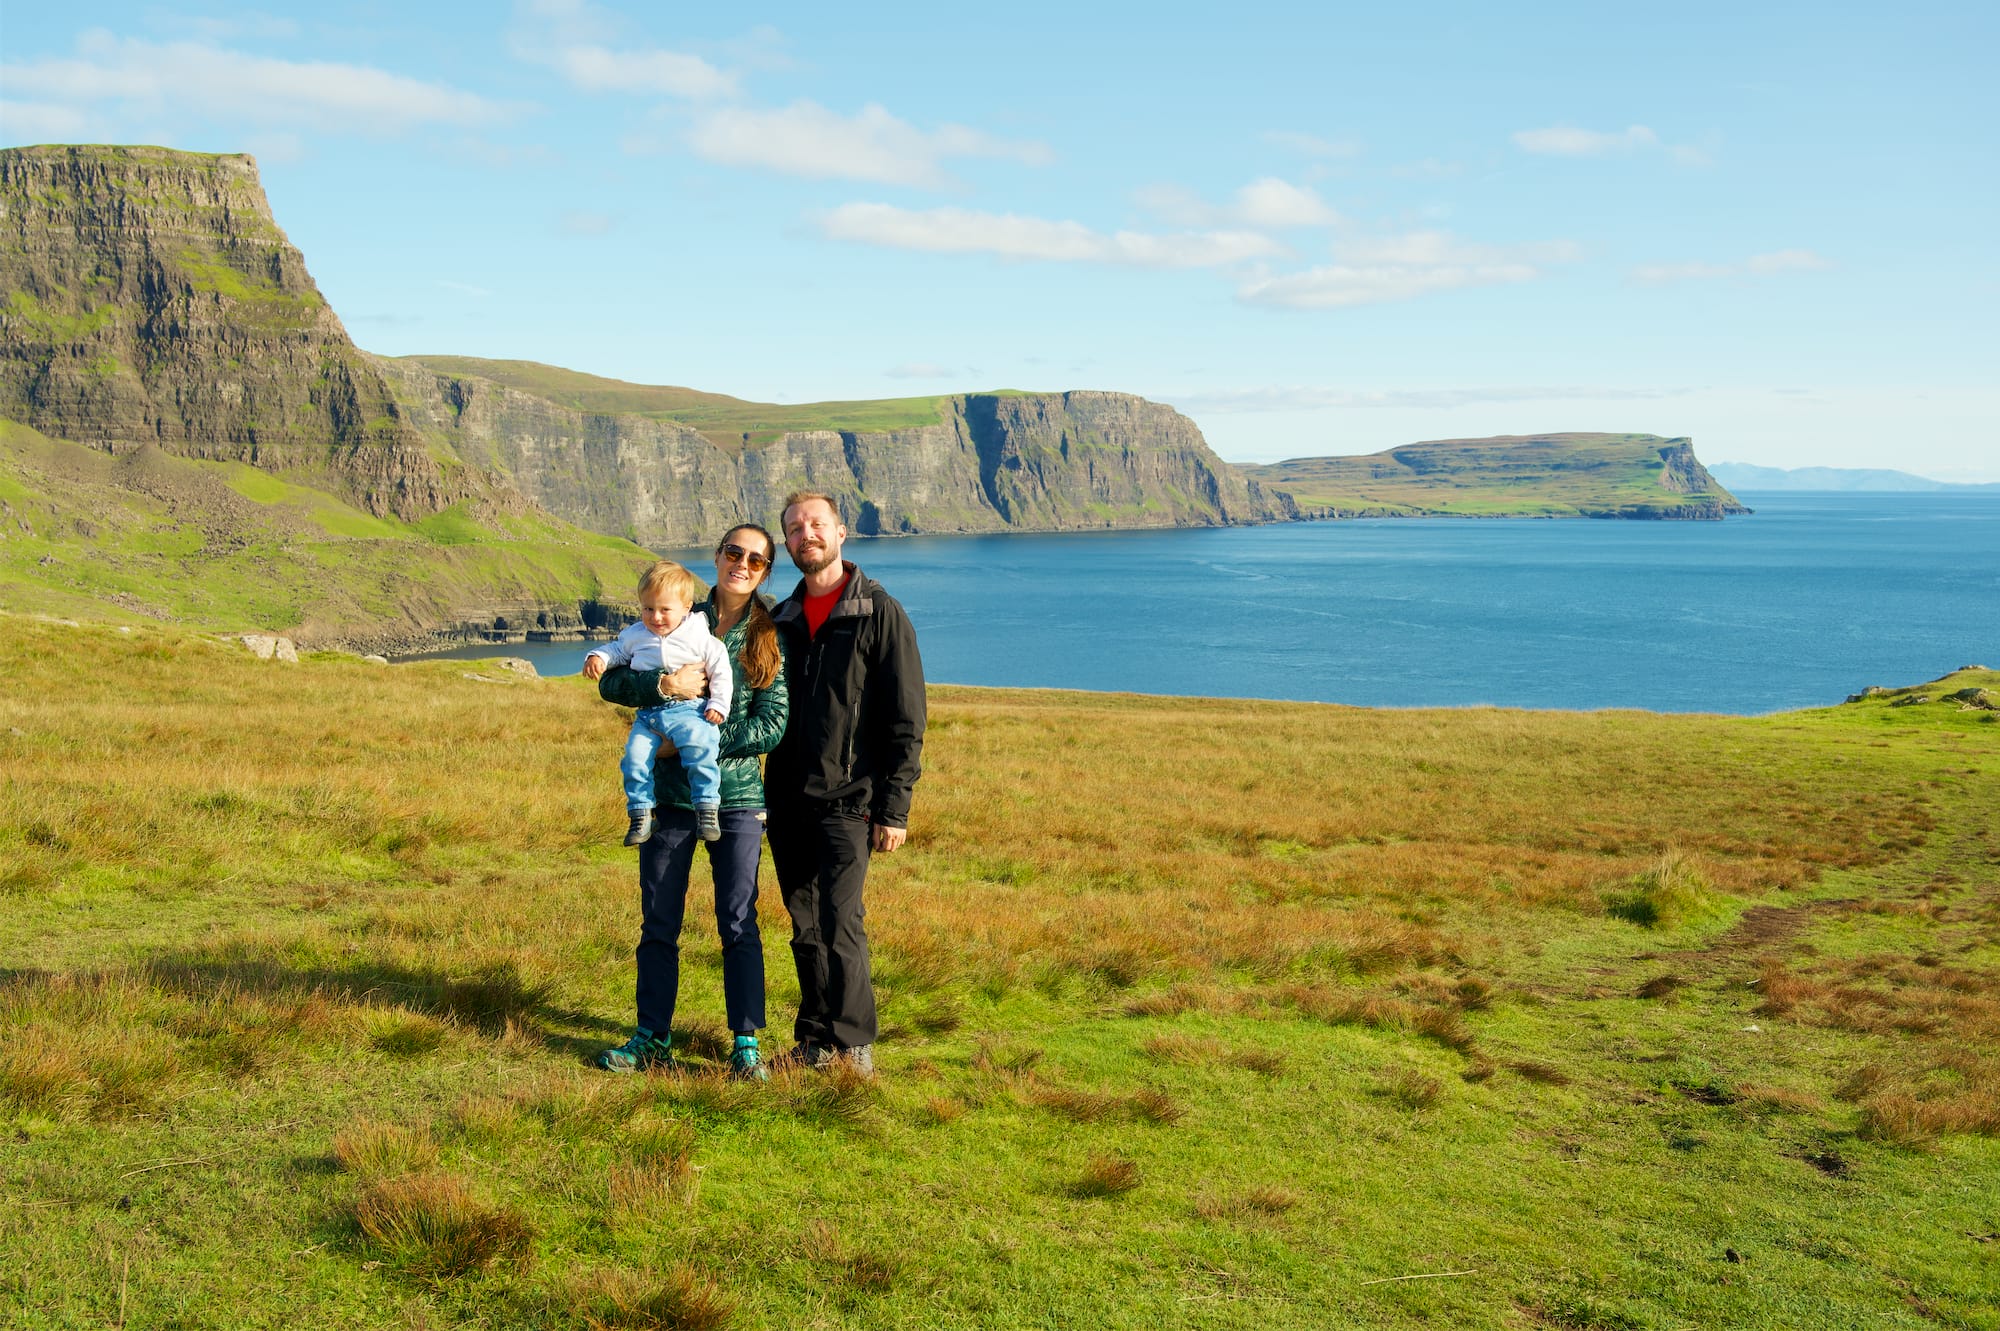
{"points": [[1470, 1018], [728, 422], [1552, 475]]}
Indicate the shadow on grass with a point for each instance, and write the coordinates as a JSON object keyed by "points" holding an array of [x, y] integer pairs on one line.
{"points": [[496, 999]]}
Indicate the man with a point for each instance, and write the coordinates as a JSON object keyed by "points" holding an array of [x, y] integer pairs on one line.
{"points": [[839, 782]]}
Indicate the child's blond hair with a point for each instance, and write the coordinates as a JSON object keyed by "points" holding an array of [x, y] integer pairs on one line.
{"points": [[665, 575]]}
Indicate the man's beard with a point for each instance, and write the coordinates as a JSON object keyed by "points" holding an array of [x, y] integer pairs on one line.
{"points": [[811, 559]]}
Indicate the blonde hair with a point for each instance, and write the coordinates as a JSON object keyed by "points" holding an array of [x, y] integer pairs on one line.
{"points": [[798, 497], [665, 575]]}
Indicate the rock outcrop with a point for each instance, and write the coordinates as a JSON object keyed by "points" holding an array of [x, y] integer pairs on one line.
{"points": [[152, 299], [993, 462]]}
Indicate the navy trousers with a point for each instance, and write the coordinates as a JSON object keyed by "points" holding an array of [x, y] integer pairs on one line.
{"points": [[664, 865], [820, 851]]}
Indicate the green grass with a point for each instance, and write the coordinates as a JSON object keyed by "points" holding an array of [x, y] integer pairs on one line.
{"points": [[301, 969], [729, 422], [1558, 475], [92, 536]]}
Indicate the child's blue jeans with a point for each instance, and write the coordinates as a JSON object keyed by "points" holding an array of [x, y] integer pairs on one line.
{"points": [[692, 733]]}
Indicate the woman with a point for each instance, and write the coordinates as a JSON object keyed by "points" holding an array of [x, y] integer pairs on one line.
{"points": [[740, 618]]}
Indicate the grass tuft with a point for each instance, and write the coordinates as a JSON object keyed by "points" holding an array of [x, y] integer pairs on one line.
{"points": [[1410, 1088], [1106, 1176], [432, 1226], [1252, 1202], [680, 1299], [383, 1150], [1675, 892]]}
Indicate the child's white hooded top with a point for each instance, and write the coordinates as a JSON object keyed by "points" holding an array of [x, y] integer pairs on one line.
{"points": [[643, 649]]}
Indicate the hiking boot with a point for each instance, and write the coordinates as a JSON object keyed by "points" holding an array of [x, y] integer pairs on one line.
{"points": [[642, 1053], [745, 1064], [641, 830], [861, 1058], [708, 822], [806, 1054]]}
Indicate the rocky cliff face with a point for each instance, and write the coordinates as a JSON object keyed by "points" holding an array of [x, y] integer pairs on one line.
{"points": [[994, 462], [152, 299]]}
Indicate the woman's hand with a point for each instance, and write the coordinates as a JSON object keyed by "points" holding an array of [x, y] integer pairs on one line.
{"points": [[690, 681]]}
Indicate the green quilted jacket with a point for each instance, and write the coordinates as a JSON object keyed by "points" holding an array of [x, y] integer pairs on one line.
{"points": [[755, 723]]}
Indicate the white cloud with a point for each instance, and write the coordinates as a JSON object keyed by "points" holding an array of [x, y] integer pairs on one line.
{"points": [[141, 78], [921, 370], [1380, 270], [1568, 141], [1336, 286], [806, 139], [1757, 265], [41, 122], [577, 223], [1011, 236], [585, 44], [667, 73], [463, 288], [1265, 202]]}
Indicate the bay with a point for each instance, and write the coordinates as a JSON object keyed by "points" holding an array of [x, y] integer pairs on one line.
{"points": [[1805, 601]]}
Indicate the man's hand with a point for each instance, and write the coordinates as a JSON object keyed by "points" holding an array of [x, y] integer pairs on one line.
{"points": [[593, 666], [885, 838], [685, 684]]}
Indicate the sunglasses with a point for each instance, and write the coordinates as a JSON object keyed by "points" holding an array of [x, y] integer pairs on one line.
{"points": [[756, 562]]}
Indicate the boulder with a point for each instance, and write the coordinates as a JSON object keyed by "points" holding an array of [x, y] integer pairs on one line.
{"points": [[1984, 699], [1911, 700], [518, 664], [376, 660], [271, 647], [1872, 691]]}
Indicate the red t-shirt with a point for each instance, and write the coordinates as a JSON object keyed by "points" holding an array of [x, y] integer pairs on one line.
{"points": [[819, 607]]}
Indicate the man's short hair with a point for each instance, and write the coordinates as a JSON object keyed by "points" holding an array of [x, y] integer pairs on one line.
{"points": [[666, 575], [797, 497]]}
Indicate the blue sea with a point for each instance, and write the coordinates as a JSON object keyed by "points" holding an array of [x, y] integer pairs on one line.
{"points": [[1807, 600]]}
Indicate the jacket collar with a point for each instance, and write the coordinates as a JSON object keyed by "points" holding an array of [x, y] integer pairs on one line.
{"points": [[856, 598]]}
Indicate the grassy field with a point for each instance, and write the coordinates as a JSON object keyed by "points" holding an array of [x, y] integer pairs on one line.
{"points": [[1559, 475], [1469, 1018], [728, 422]]}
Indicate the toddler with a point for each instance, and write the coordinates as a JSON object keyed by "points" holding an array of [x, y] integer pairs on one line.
{"points": [[667, 637]]}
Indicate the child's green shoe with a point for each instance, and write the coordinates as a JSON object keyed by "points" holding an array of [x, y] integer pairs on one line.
{"points": [[745, 1063]]}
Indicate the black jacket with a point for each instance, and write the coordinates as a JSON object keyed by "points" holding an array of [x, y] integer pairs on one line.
{"points": [[857, 704]]}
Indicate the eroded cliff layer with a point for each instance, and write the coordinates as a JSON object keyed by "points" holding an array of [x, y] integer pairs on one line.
{"points": [[152, 299], [992, 462]]}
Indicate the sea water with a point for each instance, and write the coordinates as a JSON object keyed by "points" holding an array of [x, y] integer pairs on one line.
{"points": [[1805, 601]]}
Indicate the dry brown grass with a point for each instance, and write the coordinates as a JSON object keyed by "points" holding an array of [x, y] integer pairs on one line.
{"points": [[434, 1226], [375, 1149], [1410, 1088], [853, 1270], [680, 1299], [1264, 1202], [1106, 1176], [1079, 1106]]}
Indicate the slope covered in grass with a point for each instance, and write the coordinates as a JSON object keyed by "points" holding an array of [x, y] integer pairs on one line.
{"points": [[729, 422], [1552, 475], [89, 534], [1346, 1025]]}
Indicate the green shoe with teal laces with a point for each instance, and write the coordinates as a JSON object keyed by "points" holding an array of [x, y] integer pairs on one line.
{"points": [[745, 1063], [642, 1053]]}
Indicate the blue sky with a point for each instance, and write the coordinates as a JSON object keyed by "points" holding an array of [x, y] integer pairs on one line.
{"points": [[1315, 228]]}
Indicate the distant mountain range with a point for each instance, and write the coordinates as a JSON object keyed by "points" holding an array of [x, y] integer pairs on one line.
{"points": [[1745, 476]]}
